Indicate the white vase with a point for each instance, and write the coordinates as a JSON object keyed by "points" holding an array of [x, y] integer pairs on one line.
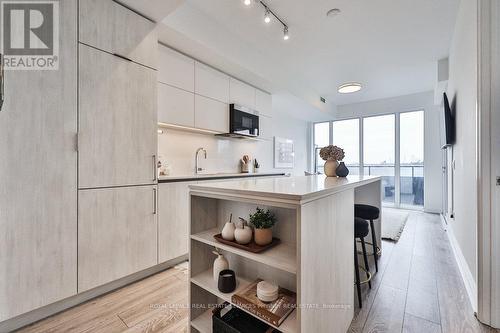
{"points": [[331, 168], [243, 235], [228, 231], [220, 264]]}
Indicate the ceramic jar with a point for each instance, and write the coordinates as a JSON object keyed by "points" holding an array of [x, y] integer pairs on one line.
{"points": [[342, 170], [220, 264], [263, 236], [331, 168]]}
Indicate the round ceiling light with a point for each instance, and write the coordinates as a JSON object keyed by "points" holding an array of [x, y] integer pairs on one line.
{"points": [[247, 2], [349, 88]]}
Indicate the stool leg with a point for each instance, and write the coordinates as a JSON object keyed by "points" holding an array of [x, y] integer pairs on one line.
{"points": [[365, 257], [374, 242], [356, 270]]}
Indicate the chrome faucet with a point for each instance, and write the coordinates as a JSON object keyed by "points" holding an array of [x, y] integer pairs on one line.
{"points": [[198, 169]]}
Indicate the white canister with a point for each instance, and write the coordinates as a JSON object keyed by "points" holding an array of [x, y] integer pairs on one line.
{"points": [[220, 264]]}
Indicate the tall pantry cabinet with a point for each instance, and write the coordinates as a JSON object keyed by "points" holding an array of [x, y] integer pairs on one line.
{"points": [[117, 107], [38, 180]]}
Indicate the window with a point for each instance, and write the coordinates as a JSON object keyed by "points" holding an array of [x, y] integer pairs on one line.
{"points": [[321, 139], [379, 152], [378, 138], [345, 134], [412, 158]]}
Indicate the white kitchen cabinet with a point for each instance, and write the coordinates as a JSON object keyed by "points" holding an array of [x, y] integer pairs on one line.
{"points": [[211, 83], [211, 115], [175, 106], [266, 127], [117, 121], [242, 93], [117, 233], [175, 69], [111, 27], [38, 180], [173, 220], [263, 103]]}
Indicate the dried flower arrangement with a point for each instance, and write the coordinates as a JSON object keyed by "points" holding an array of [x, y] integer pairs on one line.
{"points": [[332, 153]]}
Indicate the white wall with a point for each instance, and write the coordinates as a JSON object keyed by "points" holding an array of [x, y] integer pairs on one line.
{"points": [[432, 145], [462, 90], [178, 148]]}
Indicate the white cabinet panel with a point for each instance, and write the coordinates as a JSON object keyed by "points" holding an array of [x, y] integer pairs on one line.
{"points": [[38, 180], [117, 121], [242, 93], [175, 69], [266, 127], [111, 27], [117, 233], [211, 83], [211, 114], [173, 220], [263, 103], [175, 106]]}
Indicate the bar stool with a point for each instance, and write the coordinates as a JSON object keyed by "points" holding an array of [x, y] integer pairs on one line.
{"points": [[360, 232], [369, 213]]}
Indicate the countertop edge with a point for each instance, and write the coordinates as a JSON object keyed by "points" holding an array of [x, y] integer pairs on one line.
{"points": [[215, 177], [299, 198]]}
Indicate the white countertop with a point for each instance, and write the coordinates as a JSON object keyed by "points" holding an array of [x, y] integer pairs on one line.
{"points": [[206, 176], [294, 188]]}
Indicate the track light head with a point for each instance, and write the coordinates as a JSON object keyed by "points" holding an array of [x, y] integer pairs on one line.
{"points": [[267, 16], [286, 36]]}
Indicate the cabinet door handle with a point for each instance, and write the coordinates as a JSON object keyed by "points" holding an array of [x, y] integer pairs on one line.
{"points": [[155, 168], [155, 201]]}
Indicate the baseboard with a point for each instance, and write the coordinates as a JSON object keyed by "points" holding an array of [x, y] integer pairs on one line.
{"points": [[467, 277], [52, 309]]}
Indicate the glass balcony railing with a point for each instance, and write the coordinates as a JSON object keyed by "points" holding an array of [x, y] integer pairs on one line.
{"points": [[411, 181]]}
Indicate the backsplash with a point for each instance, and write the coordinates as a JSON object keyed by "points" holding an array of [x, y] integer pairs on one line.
{"points": [[178, 149]]}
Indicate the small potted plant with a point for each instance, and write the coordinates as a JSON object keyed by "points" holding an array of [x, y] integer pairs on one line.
{"points": [[332, 155], [263, 221]]}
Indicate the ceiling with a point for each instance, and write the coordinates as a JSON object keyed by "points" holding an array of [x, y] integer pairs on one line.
{"points": [[390, 46]]}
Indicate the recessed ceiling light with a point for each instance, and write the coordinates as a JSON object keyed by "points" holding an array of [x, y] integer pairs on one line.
{"points": [[349, 88], [333, 12], [247, 2]]}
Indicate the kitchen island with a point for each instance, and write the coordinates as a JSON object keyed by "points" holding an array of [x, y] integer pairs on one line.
{"points": [[315, 258]]}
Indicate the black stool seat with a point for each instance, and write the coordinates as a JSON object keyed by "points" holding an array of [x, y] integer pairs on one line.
{"points": [[366, 212], [360, 228]]}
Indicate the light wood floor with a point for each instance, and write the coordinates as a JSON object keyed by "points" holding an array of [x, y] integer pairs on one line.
{"points": [[418, 289]]}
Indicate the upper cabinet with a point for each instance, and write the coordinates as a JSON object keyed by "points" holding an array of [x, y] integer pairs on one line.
{"points": [[175, 69], [175, 106], [242, 93], [117, 121], [111, 27], [211, 83], [264, 103]]}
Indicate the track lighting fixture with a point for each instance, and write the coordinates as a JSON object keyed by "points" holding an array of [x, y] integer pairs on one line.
{"points": [[267, 16]]}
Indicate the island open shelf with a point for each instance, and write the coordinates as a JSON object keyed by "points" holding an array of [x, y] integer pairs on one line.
{"points": [[315, 259]]}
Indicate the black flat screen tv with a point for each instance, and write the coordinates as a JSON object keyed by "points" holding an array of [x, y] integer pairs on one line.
{"points": [[448, 123]]}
